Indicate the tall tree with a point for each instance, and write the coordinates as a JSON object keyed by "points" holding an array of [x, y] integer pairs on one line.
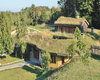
{"points": [[68, 7], [90, 9], [5, 35], [20, 26], [96, 14], [1, 45], [20, 32], [44, 17], [55, 13]]}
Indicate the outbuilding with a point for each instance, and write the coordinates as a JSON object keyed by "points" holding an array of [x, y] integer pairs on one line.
{"points": [[68, 24]]}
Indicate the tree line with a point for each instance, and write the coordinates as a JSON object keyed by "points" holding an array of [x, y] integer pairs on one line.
{"points": [[90, 9], [34, 15]]}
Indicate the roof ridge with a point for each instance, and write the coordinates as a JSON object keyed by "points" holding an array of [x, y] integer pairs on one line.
{"points": [[70, 20]]}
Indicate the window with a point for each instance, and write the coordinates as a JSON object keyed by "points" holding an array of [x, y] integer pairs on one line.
{"points": [[53, 59]]}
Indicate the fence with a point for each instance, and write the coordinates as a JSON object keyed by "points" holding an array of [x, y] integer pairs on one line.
{"points": [[95, 50]]}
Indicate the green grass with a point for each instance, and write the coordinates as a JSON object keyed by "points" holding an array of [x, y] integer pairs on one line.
{"points": [[44, 41], [17, 74], [8, 59], [40, 27], [24, 73], [78, 71]]}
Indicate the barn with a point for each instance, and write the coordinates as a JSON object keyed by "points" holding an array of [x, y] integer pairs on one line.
{"points": [[68, 24]]}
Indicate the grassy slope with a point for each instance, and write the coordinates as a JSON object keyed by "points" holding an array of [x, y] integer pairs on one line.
{"points": [[78, 71], [8, 59], [17, 74], [73, 71], [40, 27], [95, 38], [44, 41]]}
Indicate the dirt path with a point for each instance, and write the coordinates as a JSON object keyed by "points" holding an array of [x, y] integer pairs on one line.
{"points": [[15, 65]]}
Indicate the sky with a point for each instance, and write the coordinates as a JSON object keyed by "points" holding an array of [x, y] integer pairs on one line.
{"points": [[17, 5]]}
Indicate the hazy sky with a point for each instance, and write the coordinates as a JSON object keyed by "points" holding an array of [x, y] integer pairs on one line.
{"points": [[17, 5]]}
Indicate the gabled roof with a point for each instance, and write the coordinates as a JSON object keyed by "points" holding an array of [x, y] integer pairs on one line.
{"points": [[70, 21]]}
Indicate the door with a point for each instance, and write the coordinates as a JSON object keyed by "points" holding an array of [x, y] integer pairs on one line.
{"points": [[62, 29], [36, 54], [62, 60]]}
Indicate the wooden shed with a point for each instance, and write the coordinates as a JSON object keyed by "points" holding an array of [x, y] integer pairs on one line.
{"points": [[68, 24]]}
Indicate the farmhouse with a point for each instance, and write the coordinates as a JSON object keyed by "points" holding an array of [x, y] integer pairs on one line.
{"points": [[57, 60], [68, 24]]}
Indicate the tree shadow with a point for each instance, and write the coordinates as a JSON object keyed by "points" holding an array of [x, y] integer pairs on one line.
{"points": [[94, 56], [94, 36], [44, 75], [41, 75], [18, 52], [2, 57], [32, 69]]}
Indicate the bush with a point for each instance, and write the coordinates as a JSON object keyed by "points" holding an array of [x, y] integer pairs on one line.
{"points": [[77, 33], [72, 49], [45, 60]]}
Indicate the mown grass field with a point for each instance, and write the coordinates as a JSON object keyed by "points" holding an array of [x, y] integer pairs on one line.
{"points": [[24, 73], [17, 74]]}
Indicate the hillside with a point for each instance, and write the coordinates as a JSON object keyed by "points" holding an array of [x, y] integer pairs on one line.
{"points": [[78, 71], [75, 70], [94, 37], [44, 40]]}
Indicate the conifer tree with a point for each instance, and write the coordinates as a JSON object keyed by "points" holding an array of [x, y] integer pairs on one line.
{"points": [[20, 27], [5, 35], [20, 32], [80, 43]]}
